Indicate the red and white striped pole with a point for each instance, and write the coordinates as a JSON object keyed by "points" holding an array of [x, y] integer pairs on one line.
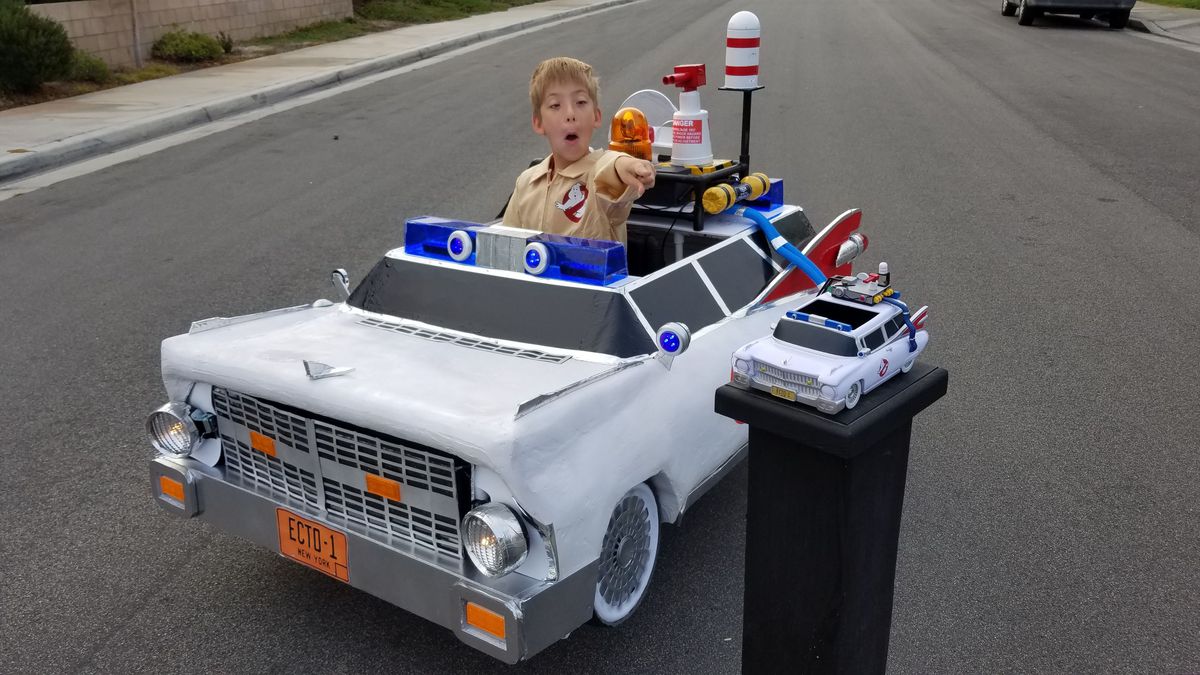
{"points": [[741, 51], [742, 41]]}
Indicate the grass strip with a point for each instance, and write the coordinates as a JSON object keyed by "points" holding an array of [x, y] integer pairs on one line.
{"points": [[1189, 4]]}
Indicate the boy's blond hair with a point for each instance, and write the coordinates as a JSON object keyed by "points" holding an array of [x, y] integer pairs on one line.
{"points": [[561, 69]]}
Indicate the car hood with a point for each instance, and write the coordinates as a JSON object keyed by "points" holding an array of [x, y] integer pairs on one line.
{"points": [[825, 367], [426, 388]]}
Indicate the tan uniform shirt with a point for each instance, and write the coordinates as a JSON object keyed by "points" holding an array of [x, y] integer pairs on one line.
{"points": [[578, 201]]}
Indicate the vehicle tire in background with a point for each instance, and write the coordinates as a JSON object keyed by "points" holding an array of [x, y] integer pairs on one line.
{"points": [[627, 556], [1117, 20], [1025, 15], [908, 366], [1007, 8], [853, 395]]}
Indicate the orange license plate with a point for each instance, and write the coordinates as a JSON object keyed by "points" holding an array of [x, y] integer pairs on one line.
{"points": [[784, 393], [313, 544]]}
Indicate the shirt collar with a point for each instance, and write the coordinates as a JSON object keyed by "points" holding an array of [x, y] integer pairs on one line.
{"points": [[580, 167]]}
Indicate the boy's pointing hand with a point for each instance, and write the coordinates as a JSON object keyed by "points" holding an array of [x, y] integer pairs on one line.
{"points": [[636, 173]]}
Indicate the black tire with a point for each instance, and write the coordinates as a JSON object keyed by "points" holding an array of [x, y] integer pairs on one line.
{"points": [[1117, 20], [1025, 15], [1007, 8]]}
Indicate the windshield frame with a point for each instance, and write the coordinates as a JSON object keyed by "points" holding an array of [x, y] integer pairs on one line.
{"points": [[817, 338], [501, 306]]}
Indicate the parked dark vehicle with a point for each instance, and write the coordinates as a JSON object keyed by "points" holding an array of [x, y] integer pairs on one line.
{"points": [[1116, 12]]}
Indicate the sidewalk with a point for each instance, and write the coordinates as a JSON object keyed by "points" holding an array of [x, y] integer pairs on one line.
{"points": [[1177, 23], [48, 135]]}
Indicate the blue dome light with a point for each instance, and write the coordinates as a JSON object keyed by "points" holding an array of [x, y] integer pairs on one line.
{"points": [[456, 246], [669, 342], [533, 258]]}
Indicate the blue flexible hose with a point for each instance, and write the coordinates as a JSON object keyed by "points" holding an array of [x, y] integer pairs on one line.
{"points": [[912, 330], [785, 249]]}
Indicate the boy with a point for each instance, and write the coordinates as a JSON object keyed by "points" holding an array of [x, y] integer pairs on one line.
{"points": [[575, 191]]}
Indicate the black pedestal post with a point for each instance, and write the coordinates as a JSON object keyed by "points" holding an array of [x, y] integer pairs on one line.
{"points": [[823, 525]]}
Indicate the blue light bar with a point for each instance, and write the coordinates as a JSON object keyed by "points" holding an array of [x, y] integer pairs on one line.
{"points": [[820, 321], [587, 261], [429, 237]]}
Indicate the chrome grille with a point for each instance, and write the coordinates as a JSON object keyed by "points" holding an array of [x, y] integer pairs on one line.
{"points": [[262, 469], [778, 377], [262, 417], [421, 527], [464, 341], [376, 455], [429, 477]]}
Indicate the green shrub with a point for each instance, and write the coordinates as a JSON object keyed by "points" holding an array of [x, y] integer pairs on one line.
{"points": [[225, 41], [33, 49], [186, 46], [88, 68]]}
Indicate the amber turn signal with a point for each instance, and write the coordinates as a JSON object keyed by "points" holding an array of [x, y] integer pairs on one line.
{"points": [[171, 488], [485, 620]]}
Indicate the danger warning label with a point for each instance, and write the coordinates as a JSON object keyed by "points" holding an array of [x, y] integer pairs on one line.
{"points": [[687, 132]]}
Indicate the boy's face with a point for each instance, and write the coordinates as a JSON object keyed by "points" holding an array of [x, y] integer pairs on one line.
{"points": [[567, 118]]}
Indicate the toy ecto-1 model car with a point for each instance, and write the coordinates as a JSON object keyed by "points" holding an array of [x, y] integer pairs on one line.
{"points": [[489, 429], [836, 346]]}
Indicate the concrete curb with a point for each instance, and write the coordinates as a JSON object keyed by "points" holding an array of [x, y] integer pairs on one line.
{"points": [[1152, 27], [86, 146]]}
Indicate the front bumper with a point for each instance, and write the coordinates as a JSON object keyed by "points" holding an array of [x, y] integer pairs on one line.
{"points": [[823, 404], [536, 613]]}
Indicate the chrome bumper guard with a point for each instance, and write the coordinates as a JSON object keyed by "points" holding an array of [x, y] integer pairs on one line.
{"points": [[822, 404], [536, 613]]}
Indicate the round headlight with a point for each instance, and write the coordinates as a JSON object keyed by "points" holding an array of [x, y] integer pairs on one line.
{"points": [[827, 391], [741, 365], [495, 539], [172, 431]]}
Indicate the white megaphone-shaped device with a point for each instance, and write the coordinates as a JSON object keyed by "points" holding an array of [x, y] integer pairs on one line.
{"points": [[691, 143]]}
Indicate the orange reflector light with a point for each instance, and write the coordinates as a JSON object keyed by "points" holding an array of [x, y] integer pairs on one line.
{"points": [[383, 487], [171, 488], [485, 620], [631, 134], [263, 444]]}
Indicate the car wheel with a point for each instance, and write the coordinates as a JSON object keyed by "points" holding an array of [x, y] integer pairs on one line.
{"points": [[853, 395], [908, 366], [627, 556], [1007, 8], [1117, 20], [1024, 14]]}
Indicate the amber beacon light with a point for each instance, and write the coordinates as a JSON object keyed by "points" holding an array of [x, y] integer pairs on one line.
{"points": [[631, 134]]}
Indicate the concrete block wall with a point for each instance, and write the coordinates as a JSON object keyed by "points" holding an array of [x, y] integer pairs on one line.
{"points": [[105, 27]]}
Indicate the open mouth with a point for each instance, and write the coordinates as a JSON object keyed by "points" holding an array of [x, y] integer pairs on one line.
{"points": [[572, 137]]}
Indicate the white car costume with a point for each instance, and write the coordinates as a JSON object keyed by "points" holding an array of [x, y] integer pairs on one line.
{"points": [[488, 431]]}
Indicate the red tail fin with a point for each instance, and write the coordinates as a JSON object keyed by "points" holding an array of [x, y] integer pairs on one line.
{"points": [[822, 250]]}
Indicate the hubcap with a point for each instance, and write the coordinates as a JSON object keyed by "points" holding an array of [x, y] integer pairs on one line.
{"points": [[626, 548]]}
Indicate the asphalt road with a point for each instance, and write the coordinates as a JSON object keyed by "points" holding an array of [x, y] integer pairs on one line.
{"points": [[1035, 186]]}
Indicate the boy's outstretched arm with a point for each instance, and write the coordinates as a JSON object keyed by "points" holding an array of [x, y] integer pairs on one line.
{"points": [[636, 173]]}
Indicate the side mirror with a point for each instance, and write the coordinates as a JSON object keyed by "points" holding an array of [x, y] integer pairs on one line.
{"points": [[340, 279], [672, 339]]}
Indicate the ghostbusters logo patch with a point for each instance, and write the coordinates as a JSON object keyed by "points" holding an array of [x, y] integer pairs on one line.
{"points": [[574, 202]]}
